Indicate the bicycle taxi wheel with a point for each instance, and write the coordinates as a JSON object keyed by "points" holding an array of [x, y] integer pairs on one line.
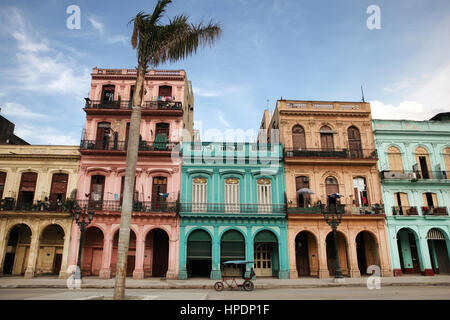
{"points": [[248, 285], [218, 286]]}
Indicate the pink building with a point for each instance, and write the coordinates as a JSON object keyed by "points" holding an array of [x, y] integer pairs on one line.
{"points": [[168, 109]]}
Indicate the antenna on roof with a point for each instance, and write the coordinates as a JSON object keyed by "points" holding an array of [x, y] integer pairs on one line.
{"points": [[362, 92]]}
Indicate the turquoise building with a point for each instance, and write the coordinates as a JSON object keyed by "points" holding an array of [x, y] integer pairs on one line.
{"points": [[232, 208], [414, 164]]}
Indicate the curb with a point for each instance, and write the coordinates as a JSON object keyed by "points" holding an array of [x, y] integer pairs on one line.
{"points": [[210, 286]]}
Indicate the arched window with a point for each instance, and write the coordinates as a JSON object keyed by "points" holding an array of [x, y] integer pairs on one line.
{"points": [[447, 161], [303, 199], [395, 159], [402, 204], [326, 138], [423, 161], [199, 194], [2, 183], [298, 138], [232, 195], [264, 195], [354, 142], [331, 185]]}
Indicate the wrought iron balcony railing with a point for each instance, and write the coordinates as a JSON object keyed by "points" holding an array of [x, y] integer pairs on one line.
{"points": [[11, 204], [414, 175], [341, 208], [231, 208], [127, 104], [138, 206], [434, 211], [404, 211], [331, 153], [122, 145]]}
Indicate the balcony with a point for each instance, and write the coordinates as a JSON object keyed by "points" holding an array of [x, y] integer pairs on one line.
{"points": [[434, 211], [232, 208], [120, 147], [341, 208], [331, 153], [414, 175], [404, 211], [138, 206], [169, 107], [11, 204]]}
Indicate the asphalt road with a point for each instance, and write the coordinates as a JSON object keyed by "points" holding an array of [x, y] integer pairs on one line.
{"points": [[343, 293]]}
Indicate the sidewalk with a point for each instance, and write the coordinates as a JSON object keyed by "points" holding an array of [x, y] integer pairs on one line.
{"points": [[204, 283]]}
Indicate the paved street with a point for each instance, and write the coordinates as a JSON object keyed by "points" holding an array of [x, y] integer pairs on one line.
{"points": [[337, 293]]}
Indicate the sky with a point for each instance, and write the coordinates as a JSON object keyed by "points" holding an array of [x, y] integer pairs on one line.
{"points": [[269, 49]]}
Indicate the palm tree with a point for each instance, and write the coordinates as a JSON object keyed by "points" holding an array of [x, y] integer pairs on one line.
{"points": [[155, 44]]}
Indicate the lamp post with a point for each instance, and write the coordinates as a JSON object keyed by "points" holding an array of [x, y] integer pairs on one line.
{"points": [[334, 218], [80, 216]]}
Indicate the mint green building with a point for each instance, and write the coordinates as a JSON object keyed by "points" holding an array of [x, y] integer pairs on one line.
{"points": [[414, 165], [232, 208]]}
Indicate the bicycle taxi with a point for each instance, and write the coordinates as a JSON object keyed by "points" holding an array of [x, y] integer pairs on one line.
{"points": [[230, 280]]}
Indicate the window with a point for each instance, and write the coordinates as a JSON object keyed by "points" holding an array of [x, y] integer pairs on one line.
{"points": [[423, 161], [108, 93], [302, 199], [97, 187], [59, 188], [199, 194], [401, 203], [159, 189], [354, 142], [395, 159], [360, 190], [447, 161], [430, 199], [298, 138], [232, 195], [2, 183], [331, 186], [264, 194], [326, 138], [165, 91]]}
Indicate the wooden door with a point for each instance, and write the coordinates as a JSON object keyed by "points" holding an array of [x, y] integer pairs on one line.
{"points": [[302, 256], [298, 138], [96, 261], [424, 167], [160, 254], [97, 190], [263, 259], [2, 183], [58, 189], [165, 91], [26, 190], [57, 263], [326, 141], [354, 142], [159, 187]]}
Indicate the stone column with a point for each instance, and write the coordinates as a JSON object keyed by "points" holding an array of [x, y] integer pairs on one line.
{"points": [[425, 257], [182, 273], [353, 257], [249, 251], [3, 243], [216, 273], [138, 272], [171, 272], [105, 271], [293, 273], [323, 263], [63, 272], [283, 255], [33, 254]]}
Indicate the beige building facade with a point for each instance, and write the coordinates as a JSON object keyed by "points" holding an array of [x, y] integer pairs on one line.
{"points": [[329, 148], [37, 186]]}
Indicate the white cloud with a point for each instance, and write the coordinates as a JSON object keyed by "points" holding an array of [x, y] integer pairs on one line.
{"points": [[17, 110], [96, 24], [44, 135], [222, 119], [109, 39], [39, 67]]}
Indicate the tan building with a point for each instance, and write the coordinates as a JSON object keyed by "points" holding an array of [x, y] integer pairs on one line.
{"points": [[37, 184], [329, 148]]}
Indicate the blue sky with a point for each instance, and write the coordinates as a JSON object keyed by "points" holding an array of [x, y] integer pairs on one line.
{"points": [[295, 49]]}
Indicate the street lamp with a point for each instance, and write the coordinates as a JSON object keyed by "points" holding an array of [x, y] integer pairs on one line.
{"points": [[334, 218], [80, 216]]}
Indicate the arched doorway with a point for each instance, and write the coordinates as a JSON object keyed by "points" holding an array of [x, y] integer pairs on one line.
{"points": [[131, 258], [91, 259], [342, 254], [407, 248], [366, 251], [17, 250], [232, 247], [266, 254], [156, 259], [51, 246], [199, 254], [439, 253], [306, 254]]}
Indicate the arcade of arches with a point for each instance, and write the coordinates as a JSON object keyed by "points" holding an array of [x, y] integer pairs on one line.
{"points": [[311, 248], [202, 253], [32, 247], [153, 251]]}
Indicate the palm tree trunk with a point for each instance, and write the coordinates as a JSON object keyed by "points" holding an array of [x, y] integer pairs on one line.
{"points": [[127, 204]]}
